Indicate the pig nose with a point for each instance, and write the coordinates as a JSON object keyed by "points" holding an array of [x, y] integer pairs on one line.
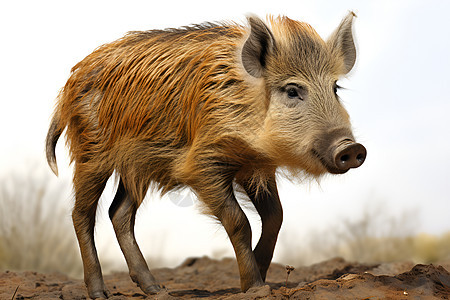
{"points": [[349, 155]]}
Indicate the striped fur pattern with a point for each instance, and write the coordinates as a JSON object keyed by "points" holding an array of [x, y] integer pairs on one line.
{"points": [[152, 102], [202, 106]]}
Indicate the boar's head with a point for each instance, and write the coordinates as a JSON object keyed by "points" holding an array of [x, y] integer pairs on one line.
{"points": [[306, 126]]}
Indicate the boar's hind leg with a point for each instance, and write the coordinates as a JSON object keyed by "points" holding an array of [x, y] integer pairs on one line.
{"points": [[88, 189], [122, 214], [268, 206], [223, 204]]}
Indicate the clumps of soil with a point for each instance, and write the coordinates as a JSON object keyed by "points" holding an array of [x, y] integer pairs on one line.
{"points": [[219, 279]]}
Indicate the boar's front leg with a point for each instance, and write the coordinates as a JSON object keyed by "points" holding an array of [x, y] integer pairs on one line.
{"points": [[268, 206], [219, 198], [122, 214]]}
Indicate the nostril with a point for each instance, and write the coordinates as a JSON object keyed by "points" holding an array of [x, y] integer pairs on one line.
{"points": [[360, 158], [345, 158]]}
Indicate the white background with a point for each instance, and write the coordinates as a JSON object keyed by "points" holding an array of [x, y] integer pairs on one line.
{"points": [[397, 96]]}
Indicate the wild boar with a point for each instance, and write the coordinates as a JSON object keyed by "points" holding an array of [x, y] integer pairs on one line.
{"points": [[211, 107]]}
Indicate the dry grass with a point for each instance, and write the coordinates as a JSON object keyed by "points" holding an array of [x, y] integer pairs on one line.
{"points": [[35, 229], [375, 236]]}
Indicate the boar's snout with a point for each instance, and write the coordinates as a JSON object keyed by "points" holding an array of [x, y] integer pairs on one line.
{"points": [[338, 152], [349, 155]]}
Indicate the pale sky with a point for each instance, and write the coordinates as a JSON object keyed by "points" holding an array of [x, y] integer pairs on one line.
{"points": [[397, 97]]}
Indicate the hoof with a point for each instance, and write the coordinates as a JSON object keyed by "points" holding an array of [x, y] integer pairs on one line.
{"points": [[104, 294], [96, 289], [153, 289]]}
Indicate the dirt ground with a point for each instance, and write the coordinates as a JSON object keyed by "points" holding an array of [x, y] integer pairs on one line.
{"points": [[219, 279]]}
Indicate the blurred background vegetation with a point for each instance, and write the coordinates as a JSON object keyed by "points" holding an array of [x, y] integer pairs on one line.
{"points": [[36, 233], [376, 236], [35, 229]]}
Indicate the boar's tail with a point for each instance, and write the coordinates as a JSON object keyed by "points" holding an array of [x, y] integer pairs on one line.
{"points": [[54, 132]]}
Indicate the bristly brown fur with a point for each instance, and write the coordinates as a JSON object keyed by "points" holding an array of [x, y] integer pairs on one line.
{"points": [[147, 104], [209, 106]]}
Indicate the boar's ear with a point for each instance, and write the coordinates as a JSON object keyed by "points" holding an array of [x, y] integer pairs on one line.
{"points": [[342, 45], [257, 46]]}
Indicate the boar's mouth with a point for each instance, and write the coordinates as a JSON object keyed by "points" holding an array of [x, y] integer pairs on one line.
{"points": [[342, 156]]}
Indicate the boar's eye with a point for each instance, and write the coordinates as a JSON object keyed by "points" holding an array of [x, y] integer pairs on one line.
{"points": [[295, 91], [292, 93]]}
